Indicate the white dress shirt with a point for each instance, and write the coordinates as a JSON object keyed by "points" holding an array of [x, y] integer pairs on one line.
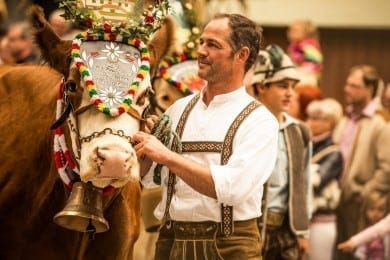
{"points": [[239, 183]]}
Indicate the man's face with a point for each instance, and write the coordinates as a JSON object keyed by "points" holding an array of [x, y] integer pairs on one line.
{"points": [[356, 93], [215, 54], [277, 96]]}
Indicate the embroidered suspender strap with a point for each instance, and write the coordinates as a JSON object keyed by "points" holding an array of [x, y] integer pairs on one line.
{"points": [[206, 147], [175, 148], [227, 223], [225, 148]]}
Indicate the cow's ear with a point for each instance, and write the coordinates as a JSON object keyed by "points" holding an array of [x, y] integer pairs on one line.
{"points": [[162, 43], [54, 50]]}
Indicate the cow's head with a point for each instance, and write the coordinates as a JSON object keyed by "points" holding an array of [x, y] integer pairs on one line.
{"points": [[176, 77], [105, 95]]}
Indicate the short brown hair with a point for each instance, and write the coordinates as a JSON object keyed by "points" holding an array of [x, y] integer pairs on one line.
{"points": [[370, 76], [245, 32]]}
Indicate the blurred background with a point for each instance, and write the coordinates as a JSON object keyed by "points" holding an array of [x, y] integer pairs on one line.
{"points": [[350, 31]]}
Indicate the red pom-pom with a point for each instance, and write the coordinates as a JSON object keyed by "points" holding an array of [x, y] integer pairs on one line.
{"points": [[107, 27]]}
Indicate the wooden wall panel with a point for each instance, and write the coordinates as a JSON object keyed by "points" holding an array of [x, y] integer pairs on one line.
{"points": [[342, 49]]}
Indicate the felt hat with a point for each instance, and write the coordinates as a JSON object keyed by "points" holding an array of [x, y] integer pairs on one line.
{"points": [[273, 65]]}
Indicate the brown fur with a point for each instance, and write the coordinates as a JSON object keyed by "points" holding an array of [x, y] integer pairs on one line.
{"points": [[165, 94], [162, 43], [54, 50], [31, 191]]}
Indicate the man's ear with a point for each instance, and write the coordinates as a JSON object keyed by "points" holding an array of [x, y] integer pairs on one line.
{"points": [[243, 53], [259, 88]]}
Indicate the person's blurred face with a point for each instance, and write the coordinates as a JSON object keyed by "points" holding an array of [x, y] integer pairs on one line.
{"points": [[60, 25], [277, 96], [18, 43], [356, 93], [319, 124], [296, 32], [376, 211]]}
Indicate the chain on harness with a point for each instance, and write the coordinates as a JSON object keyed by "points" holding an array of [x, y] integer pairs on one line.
{"points": [[162, 130]]}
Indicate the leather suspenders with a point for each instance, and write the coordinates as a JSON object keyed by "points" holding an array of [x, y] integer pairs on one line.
{"points": [[225, 148]]}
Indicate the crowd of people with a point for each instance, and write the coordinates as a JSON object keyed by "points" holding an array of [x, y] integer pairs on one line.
{"points": [[17, 45], [271, 170], [329, 163]]}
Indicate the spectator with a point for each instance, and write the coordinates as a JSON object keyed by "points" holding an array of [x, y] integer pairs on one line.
{"points": [[303, 95], [374, 242], [63, 28], [365, 160], [285, 223], [3, 11], [384, 111], [305, 51], [327, 166], [5, 56], [59, 24], [20, 45]]}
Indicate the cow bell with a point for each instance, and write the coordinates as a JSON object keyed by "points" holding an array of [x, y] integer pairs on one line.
{"points": [[83, 211]]}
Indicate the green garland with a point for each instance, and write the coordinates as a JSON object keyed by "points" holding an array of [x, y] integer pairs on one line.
{"points": [[139, 23]]}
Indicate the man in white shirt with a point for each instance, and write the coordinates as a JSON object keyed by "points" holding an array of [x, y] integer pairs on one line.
{"points": [[211, 193]]}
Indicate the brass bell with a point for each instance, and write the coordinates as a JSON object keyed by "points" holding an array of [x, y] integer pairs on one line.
{"points": [[83, 211]]}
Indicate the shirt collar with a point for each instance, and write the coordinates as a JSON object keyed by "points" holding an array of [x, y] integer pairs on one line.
{"points": [[368, 111], [222, 98], [288, 120]]}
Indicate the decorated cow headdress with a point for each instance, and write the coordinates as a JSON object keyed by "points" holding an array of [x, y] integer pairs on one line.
{"points": [[112, 58], [115, 43]]}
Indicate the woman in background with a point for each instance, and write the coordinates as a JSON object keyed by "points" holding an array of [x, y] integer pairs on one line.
{"points": [[326, 168]]}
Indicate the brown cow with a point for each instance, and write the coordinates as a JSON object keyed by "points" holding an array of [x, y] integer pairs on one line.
{"points": [[31, 191]]}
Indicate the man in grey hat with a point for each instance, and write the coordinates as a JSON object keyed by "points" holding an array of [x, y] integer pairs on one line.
{"points": [[285, 223]]}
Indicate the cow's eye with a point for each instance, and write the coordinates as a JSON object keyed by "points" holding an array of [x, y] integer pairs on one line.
{"points": [[165, 98], [71, 85]]}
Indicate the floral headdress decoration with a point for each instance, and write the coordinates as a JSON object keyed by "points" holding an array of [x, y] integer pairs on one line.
{"points": [[123, 22], [186, 79], [124, 17]]}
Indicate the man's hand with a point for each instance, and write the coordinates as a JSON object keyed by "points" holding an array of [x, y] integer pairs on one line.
{"points": [[150, 121], [149, 146]]}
